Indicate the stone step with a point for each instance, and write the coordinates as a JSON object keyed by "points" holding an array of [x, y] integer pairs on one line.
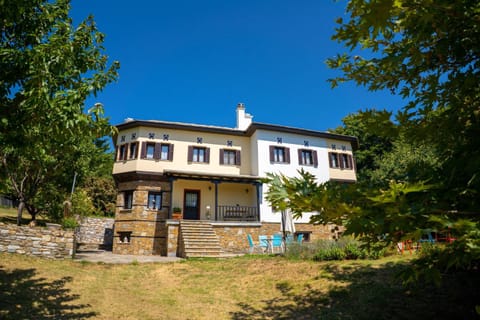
{"points": [[198, 239]]}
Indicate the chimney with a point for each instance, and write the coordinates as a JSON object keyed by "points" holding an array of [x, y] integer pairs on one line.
{"points": [[243, 119]]}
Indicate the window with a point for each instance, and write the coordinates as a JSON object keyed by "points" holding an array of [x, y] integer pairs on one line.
{"points": [[154, 200], [279, 154], [127, 199], [198, 154], [122, 152], [157, 151], [150, 150], [333, 159], [133, 150], [307, 157], [164, 151], [230, 157], [346, 161], [124, 237], [340, 160]]}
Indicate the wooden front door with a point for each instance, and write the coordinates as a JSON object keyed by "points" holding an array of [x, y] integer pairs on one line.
{"points": [[191, 205]]}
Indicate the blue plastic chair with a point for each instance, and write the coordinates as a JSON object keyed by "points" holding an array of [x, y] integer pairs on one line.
{"points": [[252, 246], [277, 242], [300, 238], [429, 238], [289, 238], [263, 242]]}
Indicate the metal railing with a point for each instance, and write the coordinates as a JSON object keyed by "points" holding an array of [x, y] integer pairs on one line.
{"points": [[238, 213]]}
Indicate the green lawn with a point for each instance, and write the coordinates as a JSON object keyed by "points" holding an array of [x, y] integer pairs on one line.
{"points": [[238, 288]]}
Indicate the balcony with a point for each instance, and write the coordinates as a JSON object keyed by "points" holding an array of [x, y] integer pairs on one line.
{"points": [[237, 213]]}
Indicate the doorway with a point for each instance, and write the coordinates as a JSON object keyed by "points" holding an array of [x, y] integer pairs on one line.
{"points": [[191, 205]]}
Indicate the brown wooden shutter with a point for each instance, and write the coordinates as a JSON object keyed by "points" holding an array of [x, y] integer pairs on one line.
{"points": [[207, 155], [157, 151], [330, 160], [272, 154], [116, 153], [287, 155], [170, 152], [143, 155], [315, 158], [342, 165], [300, 157], [350, 162], [237, 158], [190, 153], [222, 152]]}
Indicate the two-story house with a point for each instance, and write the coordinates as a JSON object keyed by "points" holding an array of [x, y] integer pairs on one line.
{"points": [[213, 174]]}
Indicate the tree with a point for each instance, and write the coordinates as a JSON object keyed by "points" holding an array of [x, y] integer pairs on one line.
{"points": [[426, 51], [376, 132], [48, 69]]}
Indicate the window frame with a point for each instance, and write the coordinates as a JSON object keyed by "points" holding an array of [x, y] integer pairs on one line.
{"points": [[194, 158], [157, 151], [157, 206], [127, 199], [344, 161], [236, 157], [274, 158], [133, 154], [122, 152], [313, 157]]}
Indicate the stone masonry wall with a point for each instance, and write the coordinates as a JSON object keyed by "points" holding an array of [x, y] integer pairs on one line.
{"points": [[141, 230], [50, 242], [96, 231], [233, 238]]}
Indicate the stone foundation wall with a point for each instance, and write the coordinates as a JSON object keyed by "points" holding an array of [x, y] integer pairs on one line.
{"points": [[52, 242], [233, 237], [141, 230], [96, 231]]}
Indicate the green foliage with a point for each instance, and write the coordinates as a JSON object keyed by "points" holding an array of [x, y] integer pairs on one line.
{"points": [[49, 68], [376, 133], [69, 223], [82, 204], [428, 53], [345, 248]]}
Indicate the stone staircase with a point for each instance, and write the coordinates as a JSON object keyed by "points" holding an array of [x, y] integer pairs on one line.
{"points": [[198, 239]]}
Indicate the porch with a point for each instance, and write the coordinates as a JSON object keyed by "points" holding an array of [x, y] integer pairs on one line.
{"points": [[216, 198]]}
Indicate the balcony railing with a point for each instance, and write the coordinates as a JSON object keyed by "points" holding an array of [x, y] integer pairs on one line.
{"points": [[238, 213]]}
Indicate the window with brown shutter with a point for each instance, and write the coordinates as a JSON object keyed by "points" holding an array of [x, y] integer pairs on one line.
{"points": [[306, 157], [122, 152], [198, 154], [165, 151], [229, 157], [279, 154], [133, 152], [333, 160]]}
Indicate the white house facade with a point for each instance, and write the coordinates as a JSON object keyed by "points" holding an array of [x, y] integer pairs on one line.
{"points": [[212, 174]]}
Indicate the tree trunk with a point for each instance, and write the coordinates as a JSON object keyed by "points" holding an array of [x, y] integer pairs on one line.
{"points": [[21, 205]]}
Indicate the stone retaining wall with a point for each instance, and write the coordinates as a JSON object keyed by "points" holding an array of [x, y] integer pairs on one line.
{"points": [[52, 242], [96, 231], [233, 237]]}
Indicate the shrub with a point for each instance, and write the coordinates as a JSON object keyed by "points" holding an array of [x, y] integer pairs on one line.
{"points": [[324, 250], [69, 223]]}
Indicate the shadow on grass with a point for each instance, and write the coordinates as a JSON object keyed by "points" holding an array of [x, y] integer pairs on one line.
{"points": [[24, 296], [365, 292]]}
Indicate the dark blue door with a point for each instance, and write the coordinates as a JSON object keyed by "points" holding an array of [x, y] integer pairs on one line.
{"points": [[191, 205]]}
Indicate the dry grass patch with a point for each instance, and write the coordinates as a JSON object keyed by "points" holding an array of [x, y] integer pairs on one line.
{"points": [[240, 288]]}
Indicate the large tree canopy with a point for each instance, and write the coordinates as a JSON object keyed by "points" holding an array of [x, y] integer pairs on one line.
{"points": [[427, 51], [48, 68]]}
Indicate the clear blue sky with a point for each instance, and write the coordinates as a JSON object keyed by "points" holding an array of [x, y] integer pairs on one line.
{"points": [[193, 61]]}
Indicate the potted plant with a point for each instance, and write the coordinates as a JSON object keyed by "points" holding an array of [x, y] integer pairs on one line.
{"points": [[177, 213]]}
